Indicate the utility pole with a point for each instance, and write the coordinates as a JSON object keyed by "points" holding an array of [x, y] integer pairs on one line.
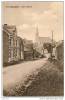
{"points": [[52, 37], [52, 45]]}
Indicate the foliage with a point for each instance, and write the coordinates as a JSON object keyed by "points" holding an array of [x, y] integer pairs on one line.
{"points": [[48, 46]]}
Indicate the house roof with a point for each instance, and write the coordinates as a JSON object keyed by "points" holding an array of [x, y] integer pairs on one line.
{"points": [[9, 28], [45, 39], [28, 44]]}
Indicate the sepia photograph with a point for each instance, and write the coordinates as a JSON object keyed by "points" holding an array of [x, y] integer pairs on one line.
{"points": [[33, 48]]}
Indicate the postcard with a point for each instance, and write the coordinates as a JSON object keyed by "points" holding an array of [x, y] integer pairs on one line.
{"points": [[33, 48]]}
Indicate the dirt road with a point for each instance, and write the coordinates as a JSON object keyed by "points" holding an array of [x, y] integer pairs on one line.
{"points": [[33, 78]]}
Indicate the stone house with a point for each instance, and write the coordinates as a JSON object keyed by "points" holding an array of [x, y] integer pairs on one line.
{"points": [[5, 47], [28, 49], [20, 49], [60, 50], [9, 43]]}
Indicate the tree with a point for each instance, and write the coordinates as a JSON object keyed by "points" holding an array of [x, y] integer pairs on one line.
{"points": [[48, 46]]}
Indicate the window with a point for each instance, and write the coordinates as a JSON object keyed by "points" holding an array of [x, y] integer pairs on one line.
{"points": [[9, 41]]}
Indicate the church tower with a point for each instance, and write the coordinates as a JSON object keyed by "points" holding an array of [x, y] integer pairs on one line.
{"points": [[37, 34]]}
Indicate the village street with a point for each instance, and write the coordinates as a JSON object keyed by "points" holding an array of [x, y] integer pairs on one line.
{"points": [[17, 78], [13, 74]]}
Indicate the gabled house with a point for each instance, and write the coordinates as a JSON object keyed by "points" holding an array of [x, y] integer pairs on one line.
{"points": [[28, 49]]}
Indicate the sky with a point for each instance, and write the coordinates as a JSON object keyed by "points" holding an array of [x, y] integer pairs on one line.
{"points": [[48, 16]]}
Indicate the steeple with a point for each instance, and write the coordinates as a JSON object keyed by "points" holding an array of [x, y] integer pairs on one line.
{"points": [[37, 34]]}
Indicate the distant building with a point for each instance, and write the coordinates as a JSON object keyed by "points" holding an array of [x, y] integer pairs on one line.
{"points": [[20, 49], [39, 42], [42, 40], [28, 49]]}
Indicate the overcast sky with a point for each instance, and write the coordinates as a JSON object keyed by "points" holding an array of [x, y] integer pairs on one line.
{"points": [[47, 15]]}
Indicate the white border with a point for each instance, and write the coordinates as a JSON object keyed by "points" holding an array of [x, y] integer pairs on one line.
{"points": [[26, 98]]}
